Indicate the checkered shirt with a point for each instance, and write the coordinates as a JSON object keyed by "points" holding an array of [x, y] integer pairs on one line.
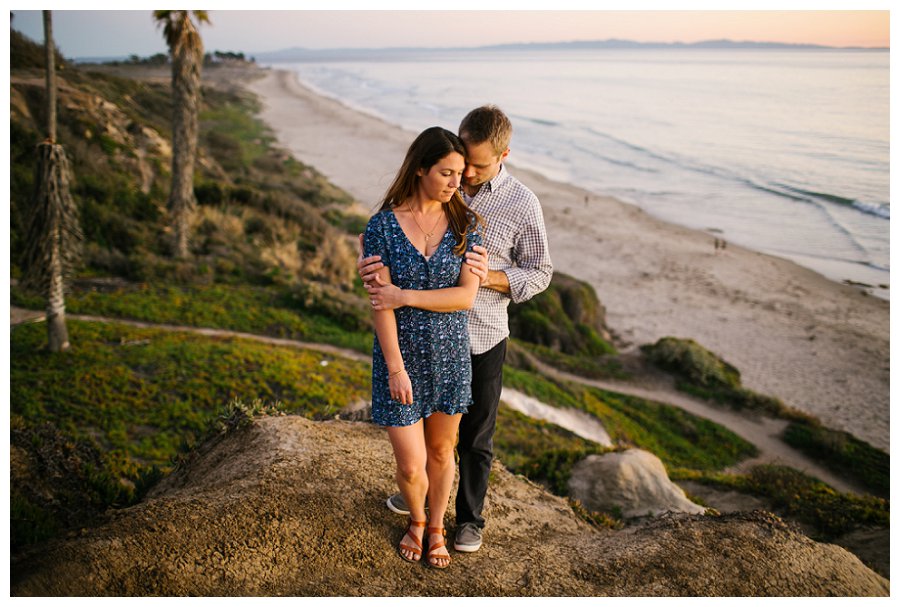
{"points": [[516, 241]]}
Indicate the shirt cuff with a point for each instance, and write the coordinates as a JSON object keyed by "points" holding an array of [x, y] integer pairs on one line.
{"points": [[518, 284]]}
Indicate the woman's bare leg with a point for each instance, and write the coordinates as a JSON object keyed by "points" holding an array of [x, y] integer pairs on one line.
{"points": [[440, 441], [410, 454]]}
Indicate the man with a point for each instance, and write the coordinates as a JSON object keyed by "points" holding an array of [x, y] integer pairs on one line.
{"points": [[517, 268]]}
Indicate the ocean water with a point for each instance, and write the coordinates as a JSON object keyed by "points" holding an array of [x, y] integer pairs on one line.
{"points": [[784, 152]]}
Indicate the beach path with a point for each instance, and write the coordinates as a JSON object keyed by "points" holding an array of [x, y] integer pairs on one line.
{"points": [[762, 432]]}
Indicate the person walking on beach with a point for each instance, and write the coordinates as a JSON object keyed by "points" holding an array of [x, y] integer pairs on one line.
{"points": [[513, 265], [421, 368]]}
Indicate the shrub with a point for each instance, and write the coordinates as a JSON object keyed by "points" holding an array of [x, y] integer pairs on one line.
{"points": [[238, 414], [567, 318], [843, 453], [700, 372], [831, 512], [25, 53], [802, 497], [64, 482], [350, 223], [210, 193], [692, 363], [259, 227]]}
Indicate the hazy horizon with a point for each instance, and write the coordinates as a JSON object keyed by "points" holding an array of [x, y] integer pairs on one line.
{"points": [[266, 55], [110, 34]]}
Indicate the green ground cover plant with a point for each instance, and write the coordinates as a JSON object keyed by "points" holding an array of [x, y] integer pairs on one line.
{"points": [[116, 382], [802, 497], [119, 407], [702, 373], [675, 436], [706, 375], [282, 312], [594, 367], [545, 453], [843, 453], [519, 441], [565, 326]]}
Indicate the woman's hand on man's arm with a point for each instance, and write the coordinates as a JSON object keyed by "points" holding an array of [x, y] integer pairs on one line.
{"points": [[367, 266], [476, 259], [385, 296]]}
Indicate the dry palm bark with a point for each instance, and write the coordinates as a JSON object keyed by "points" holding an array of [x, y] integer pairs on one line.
{"points": [[186, 49], [54, 233]]}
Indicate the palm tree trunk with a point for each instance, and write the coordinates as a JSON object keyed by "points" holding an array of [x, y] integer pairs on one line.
{"points": [[54, 232], [186, 88], [54, 210], [57, 331], [50, 59], [53, 174]]}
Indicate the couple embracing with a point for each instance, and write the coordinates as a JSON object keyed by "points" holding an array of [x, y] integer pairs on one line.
{"points": [[456, 238]]}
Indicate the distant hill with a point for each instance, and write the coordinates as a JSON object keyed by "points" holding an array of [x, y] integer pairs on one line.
{"points": [[399, 53]]}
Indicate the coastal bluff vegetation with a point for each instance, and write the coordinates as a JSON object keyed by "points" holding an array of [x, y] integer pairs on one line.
{"points": [[206, 434]]}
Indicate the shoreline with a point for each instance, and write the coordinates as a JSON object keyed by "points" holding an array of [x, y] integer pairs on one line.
{"points": [[870, 276], [820, 346]]}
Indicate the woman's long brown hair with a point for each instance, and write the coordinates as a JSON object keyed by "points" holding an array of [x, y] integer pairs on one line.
{"points": [[427, 150]]}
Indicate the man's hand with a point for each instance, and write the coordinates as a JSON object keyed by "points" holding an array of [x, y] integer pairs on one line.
{"points": [[476, 259], [369, 266]]}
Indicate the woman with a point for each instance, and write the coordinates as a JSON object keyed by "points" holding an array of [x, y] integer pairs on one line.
{"points": [[421, 368]]}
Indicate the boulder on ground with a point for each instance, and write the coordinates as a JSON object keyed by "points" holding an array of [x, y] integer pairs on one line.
{"points": [[632, 481]]}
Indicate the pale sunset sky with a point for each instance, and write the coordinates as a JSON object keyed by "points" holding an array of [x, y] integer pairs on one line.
{"points": [[108, 33]]}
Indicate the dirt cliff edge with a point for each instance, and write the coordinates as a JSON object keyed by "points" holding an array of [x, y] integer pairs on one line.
{"points": [[288, 506]]}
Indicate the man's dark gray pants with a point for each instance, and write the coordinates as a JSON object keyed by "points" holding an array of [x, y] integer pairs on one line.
{"points": [[476, 434]]}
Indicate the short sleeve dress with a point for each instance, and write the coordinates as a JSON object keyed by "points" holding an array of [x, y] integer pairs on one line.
{"points": [[434, 345]]}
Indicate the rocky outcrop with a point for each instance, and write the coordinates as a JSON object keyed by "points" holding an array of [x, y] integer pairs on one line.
{"points": [[632, 481], [291, 506], [136, 149]]}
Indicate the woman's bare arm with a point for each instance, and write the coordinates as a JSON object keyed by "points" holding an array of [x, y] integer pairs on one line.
{"points": [[385, 296], [386, 329]]}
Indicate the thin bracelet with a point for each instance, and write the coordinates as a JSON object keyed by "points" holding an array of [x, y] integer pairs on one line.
{"points": [[395, 373]]}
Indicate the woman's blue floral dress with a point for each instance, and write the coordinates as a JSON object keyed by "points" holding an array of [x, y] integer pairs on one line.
{"points": [[434, 345]]}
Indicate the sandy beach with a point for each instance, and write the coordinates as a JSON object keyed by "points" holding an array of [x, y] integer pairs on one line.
{"points": [[820, 346]]}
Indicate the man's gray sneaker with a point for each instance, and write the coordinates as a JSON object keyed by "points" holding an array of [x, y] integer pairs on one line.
{"points": [[468, 538], [397, 504]]}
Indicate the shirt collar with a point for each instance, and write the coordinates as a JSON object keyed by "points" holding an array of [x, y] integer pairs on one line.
{"points": [[499, 178], [492, 185]]}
